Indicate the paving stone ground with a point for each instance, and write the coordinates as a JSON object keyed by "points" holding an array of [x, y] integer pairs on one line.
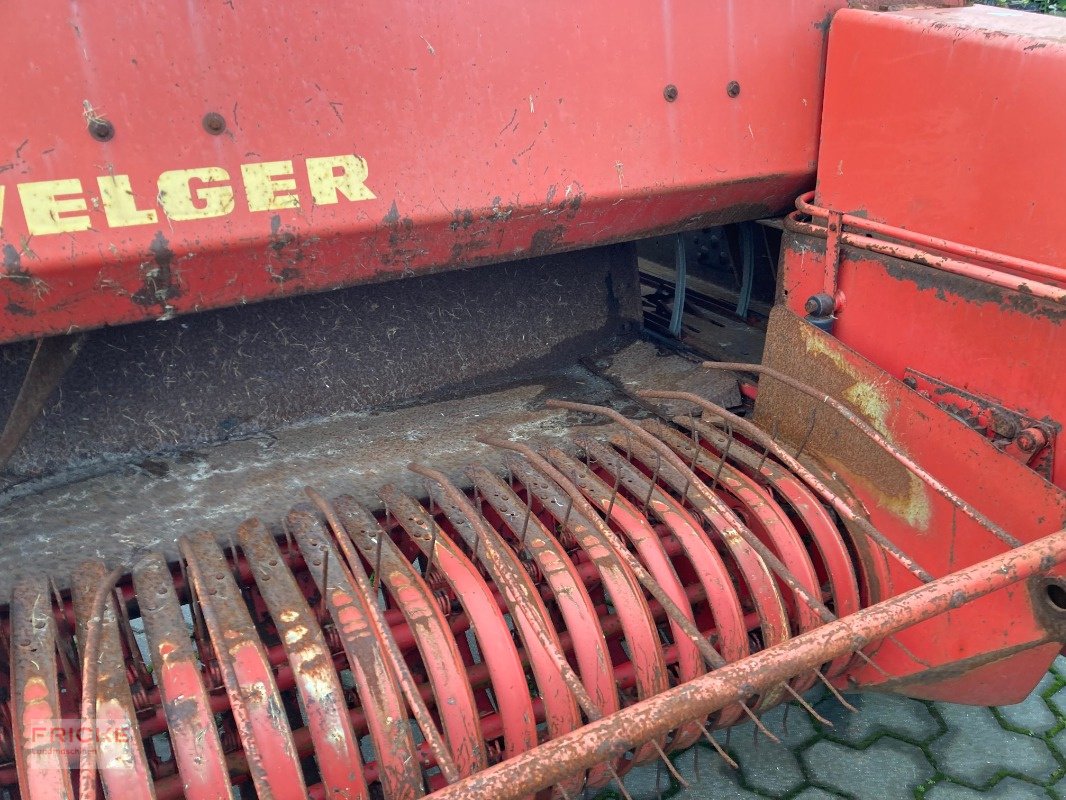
{"points": [[892, 749]]}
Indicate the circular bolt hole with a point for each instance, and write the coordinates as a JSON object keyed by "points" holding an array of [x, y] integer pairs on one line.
{"points": [[101, 130], [1056, 596], [670, 93], [214, 123], [732, 88]]}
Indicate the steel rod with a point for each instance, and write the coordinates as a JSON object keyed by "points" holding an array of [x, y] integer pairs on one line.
{"points": [[617, 733]]}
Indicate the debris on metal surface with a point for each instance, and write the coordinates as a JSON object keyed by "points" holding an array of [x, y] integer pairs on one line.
{"points": [[556, 623], [621, 558]]}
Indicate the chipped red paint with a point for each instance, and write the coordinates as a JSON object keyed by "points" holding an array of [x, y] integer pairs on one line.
{"points": [[937, 121], [476, 585], [487, 134]]}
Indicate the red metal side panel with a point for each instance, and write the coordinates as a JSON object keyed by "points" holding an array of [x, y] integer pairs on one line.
{"points": [[453, 134], [991, 341], [950, 122]]}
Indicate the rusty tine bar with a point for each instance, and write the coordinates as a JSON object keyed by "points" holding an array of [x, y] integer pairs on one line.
{"points": [[529, 512], [881, 442], [725, 457], [772, 561], [807, 435], [566, 514], [670, 766], [614, 494], [432, 545], [197, 621], [512, 590], [717, 747], [807, 706], [651, 485], [621, 787], [697, 446], [126, 630], [377, 551], [62, 642], [766, 449], [712, 656], [90, 668], [546, 764], [758, 435], [322, 611], [836, 693], [407, 682]]}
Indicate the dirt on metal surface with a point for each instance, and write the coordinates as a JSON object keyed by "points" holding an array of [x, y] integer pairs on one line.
{"points": [[142, 506]]}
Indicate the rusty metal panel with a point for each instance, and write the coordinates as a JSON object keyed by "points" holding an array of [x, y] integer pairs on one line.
{"points": [[986, 339], [179, 157], [946, 122], [917, 519]]}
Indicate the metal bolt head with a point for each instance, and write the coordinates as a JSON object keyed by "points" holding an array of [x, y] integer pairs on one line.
{"points": [[732, 88], [819, 305], [670, 93], [1031, 440], [214, 123], [101, 130]]}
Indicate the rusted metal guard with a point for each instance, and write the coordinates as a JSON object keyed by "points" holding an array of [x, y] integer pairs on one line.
{"points": [[600, 606]]}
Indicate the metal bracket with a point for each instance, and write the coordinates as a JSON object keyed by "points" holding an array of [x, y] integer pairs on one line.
{"points": [[1025, 438]]}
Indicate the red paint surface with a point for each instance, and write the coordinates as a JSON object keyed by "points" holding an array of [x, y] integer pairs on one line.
{"points": [[946, 122], [490, 133]]}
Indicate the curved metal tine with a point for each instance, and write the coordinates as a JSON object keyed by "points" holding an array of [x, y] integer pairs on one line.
{"points": [[533, 620], [771, 560], [697, 445], [651, 486], [199, 627], [807, 706], [614, 495], [725, 457], [407, 682], [712, 656], [621, 786], [669, 766], [64, 646], [877, 438], [786, 575], [377, 552], [717, 747], [90, 668], [766, 449], [775, 564], [529, 513], [836, 693], [133, 650], [756, 434], [807, 435]]}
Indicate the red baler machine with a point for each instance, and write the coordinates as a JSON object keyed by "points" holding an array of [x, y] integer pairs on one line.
{"points": [[339, 458]]}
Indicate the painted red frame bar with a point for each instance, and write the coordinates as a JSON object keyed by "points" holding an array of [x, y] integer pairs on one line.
{"points": [[159, 164]]}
